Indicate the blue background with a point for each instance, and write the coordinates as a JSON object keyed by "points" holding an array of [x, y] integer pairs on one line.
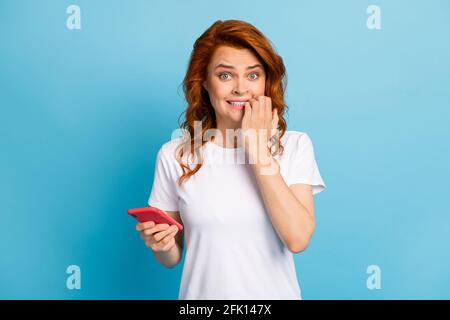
{"points": [[84, 112]]}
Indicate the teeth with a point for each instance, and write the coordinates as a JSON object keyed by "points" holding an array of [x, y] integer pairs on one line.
{"points": [[236, 103]]}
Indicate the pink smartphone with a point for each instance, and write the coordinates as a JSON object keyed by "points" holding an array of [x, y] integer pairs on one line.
{"points": [[153, 214]]}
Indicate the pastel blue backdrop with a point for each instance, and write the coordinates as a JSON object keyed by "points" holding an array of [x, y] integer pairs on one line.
{"points": [[84, 112]]}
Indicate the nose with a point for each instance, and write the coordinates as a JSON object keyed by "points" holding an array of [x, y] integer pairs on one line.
{"points": [[240, 88]]}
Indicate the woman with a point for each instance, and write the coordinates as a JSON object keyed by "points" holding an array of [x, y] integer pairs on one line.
{"points": [[243, 221]]}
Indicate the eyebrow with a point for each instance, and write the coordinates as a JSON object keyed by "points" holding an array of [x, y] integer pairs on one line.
{"points": [[231, 67]]}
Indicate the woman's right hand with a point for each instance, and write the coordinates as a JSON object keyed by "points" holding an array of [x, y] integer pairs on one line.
{"points": [[158, 237]]}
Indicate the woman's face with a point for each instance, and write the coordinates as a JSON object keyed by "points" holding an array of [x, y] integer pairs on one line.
{"points": [[234, 75]]}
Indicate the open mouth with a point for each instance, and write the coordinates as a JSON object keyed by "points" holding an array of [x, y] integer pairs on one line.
{"points": [[236, 104]]}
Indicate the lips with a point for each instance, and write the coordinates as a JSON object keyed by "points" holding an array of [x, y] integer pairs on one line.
{"points": [[238, 104], [238, 100]]}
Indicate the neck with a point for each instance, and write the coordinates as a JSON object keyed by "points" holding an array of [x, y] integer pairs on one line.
{"points": [[229, 140]]}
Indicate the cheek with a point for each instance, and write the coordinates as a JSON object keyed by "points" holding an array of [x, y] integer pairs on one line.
{"points": [[220, 90], [217, 94], [259, 88]]}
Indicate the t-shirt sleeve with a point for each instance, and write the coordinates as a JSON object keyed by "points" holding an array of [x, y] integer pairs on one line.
{"points": [[164, 193], [303, 166]]}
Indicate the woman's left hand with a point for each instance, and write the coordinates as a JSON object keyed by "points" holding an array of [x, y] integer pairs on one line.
{"points": [[259, 124]]}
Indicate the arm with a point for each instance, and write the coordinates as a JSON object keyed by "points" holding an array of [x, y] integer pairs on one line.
{"points": [[166, 246], [169, 258], [292, 219], [172, 257]]}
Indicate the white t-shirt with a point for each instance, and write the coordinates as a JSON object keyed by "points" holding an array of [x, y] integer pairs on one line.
{"points": [[232, 248]]}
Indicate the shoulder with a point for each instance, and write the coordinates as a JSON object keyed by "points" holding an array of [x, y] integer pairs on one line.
{"points": [[297, 139], [168, 149], [295, 143]]}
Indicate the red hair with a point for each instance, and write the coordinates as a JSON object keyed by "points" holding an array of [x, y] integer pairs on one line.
{"points": [[240, 35]]}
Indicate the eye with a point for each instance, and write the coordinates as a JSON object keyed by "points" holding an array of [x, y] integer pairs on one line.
{"points": [[222, 74], [254, 78]]}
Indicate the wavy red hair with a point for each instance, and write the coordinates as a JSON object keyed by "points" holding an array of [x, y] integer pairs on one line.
{"points": [[240, 35]]}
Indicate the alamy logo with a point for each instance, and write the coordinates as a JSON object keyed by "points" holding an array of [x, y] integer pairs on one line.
{"points": [[374, 280], [74, 279], [374, 20], [74, 20]]}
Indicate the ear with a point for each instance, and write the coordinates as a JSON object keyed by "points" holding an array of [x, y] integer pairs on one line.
{"points": [[204, 85]]}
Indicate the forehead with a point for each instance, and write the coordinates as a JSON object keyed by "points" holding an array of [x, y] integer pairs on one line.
{"points": [[239, 58]]}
